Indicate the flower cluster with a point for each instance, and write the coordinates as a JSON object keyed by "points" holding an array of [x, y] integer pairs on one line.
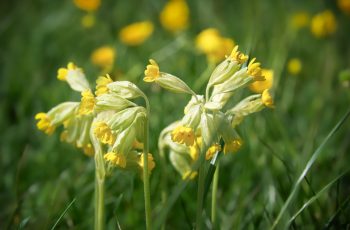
{"points": [[205, 122], [108, 115]]}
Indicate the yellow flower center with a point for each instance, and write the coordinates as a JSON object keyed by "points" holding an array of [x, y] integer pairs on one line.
{"points": [[267, 99], [104, 133], [255, 71], [101, 84], [117, 159], [87, 102], [44, 123], [183, 135], [62, 72], [238, 56], [233, 146], [151, 72]]}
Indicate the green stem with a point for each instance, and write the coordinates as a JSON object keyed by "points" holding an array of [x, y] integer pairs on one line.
{"points": [[200, 193], [99, 204], [213, 196], [164, 194], [99, 188], [146, 187]]}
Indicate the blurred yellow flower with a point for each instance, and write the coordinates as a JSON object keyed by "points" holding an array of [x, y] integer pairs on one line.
{"points": [[260, 86], [210, 42], [88, 21], [300, 20], [103, 56], [117, 159], [88, 5], [136, 33], [175, 15], [323, 24], [189, 175], [294, 66], [233, 146], [344, 5]]}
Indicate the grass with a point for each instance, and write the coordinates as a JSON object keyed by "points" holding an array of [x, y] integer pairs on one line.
{"points": [[268, 183]]}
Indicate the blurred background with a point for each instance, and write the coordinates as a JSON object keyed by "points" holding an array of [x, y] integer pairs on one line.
{"points": [[304, 43]]}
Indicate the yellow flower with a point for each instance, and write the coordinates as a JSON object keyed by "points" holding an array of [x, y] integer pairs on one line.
{"points": [[344, 5], [323, 24], [194, 149], [101, 84], [260, 86], [267, 99], [294, 66], [88, 21], [44, 123], [210, 42], [233, 146], [87, 5], [62, 72], [174, 16], [104, 133], [88, 150], [189, 175], [255, 71], [151, 72], [238, 56], [137, 145], [151, 164], [117, 159], [136, 33], [300, 20], [183, 135], [103, 56], [87, 102], [212, 150]]}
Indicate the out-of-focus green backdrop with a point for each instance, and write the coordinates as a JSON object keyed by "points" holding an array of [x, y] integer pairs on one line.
{"points": [[40, 175]]}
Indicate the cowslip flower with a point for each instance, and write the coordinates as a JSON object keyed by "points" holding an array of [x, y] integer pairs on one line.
{"points": [[294, 66], [205, 122], [175, 15], [75, 117], [215, 46], [103, 57], [136, 33], [87, 5], [323, 24]]}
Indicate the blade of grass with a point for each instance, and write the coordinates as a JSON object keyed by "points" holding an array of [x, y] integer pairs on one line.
{"points": [[316, 196], [307, 168], [63, 213], [336, 214]]}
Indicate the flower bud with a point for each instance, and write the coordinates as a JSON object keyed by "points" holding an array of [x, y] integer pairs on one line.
{"points": [[125, 89], [112, 101]]}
